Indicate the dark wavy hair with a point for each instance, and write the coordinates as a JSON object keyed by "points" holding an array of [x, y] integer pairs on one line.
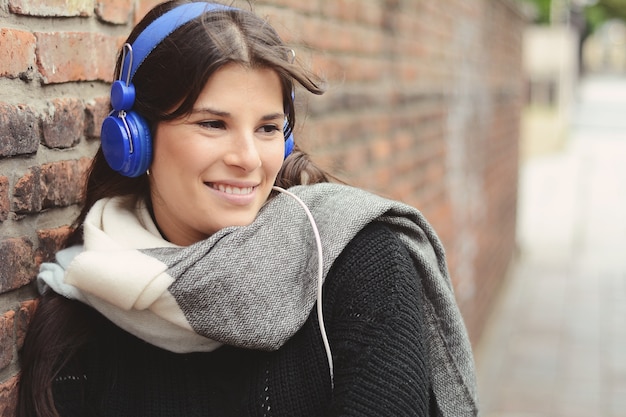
{"points": [[167, 84]]}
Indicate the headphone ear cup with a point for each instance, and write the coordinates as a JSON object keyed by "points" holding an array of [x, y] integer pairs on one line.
{"points": [[127, 143], [122, 95]]}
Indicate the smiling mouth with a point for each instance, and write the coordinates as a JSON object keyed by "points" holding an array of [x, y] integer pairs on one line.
{"points": [[229, 189]]}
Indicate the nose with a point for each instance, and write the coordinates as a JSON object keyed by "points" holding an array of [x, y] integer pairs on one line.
{"points": [[243, 153]]}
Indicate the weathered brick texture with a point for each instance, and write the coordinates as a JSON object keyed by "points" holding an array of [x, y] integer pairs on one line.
{"points": [[63, 126], [8, 396], [96, 111], [24, 314], [53, 8], [18, 263], [7, 338], [19, 130], [50, 242], [114, 11], [17, 49], [57, 184], [423, 105], [75, 56], [4, 198]]}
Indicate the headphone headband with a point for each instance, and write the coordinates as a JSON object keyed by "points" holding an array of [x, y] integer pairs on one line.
{"points": [[160, 29]]}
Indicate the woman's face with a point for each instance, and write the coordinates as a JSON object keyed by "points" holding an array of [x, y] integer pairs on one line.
{"points": [[216, 167]]}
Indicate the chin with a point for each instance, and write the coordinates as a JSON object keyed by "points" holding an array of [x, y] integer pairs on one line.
{"points": [[239, 221]]}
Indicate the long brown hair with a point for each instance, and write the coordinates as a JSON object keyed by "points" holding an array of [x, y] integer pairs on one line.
{"points": [[171, 77]]}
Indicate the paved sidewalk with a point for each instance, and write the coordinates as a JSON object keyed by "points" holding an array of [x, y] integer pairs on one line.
{"points": [[555, 345]]}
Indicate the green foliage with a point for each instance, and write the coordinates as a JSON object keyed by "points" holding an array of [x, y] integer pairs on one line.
{"points": [[542, 8], [596, 14], [612, 9], [595, 17]]}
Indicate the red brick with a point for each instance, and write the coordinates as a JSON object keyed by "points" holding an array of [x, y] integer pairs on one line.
{"points": [[17, 49], [50, 242], [95, 112], [19, 130], [114, 11], [75, 56], [83, 166], [4, 198], [18, 265], [57, 184], [24, 314], [61, 183], [26, 192], [7, 338], [143, 7], [53, 8], [63, 126], [8, 396]]}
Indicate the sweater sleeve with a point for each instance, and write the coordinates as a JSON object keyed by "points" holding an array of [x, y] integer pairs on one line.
{"points": [[376, 329]]}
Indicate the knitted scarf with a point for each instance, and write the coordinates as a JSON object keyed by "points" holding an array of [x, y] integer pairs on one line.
{"points": [[254, 286]]}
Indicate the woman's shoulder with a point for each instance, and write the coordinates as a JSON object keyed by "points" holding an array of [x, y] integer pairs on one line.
{"points": [[374, 247], [374, 273]]}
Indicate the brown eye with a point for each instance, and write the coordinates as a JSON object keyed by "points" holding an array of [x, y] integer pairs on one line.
{"points": [[212, 124], [268, 128]]}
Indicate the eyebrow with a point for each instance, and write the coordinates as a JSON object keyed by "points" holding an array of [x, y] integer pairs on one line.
{"points": [[225, 114]]}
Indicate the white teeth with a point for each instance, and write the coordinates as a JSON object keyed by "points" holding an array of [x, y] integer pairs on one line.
{"points": [[228, 189]]}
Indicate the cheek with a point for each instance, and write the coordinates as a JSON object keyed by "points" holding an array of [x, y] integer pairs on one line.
{"points": [[162, 155], [173, 156], [275, 162]]}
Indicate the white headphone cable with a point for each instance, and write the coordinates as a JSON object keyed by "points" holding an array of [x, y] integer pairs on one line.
{"points": [[320, 276]]}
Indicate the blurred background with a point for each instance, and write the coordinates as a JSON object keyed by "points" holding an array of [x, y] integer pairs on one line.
{"points": [[555, 343]]}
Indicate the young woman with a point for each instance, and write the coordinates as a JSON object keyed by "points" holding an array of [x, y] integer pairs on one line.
{"points": [[194, 283]]}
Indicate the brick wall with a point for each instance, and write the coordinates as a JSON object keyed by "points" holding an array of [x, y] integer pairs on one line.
{"points": [[423, 106]]}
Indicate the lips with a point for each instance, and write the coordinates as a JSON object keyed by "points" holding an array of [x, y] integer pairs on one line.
{"points": [[231, 189]]}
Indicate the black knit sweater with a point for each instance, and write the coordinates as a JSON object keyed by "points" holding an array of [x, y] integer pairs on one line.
{"points": [[372, 312]]}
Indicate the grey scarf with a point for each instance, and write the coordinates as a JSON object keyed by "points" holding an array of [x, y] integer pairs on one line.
{"points": [[255, 286]]}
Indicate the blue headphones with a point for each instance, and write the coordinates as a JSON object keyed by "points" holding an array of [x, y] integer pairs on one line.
{"points": [[125, 136]]}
